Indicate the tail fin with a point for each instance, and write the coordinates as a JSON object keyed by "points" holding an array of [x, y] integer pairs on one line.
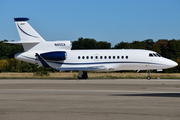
{"points": [[26, 32], [29, 37]]}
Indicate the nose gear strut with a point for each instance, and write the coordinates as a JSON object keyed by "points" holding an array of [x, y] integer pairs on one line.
{"points": [[148, 77]]}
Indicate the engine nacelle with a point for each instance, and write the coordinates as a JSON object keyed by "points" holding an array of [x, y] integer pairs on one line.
{"points": [[55, 55]]}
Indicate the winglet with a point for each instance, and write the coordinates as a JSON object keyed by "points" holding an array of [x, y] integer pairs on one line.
{"points": [[43, 62]]}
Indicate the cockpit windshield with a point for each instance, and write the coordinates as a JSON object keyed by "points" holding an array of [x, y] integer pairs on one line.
{"points": [[158, 55], [154, 55]]}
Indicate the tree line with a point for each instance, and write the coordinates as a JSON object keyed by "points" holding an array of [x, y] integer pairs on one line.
{"points": [[167, 48]]}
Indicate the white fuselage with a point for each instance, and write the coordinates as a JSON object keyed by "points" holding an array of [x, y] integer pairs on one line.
{"points": [[112, 60]]}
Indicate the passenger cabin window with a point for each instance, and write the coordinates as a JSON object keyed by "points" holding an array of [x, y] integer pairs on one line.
{"points": [[114, 57]]}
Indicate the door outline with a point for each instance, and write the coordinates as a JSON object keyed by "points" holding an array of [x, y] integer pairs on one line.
{"points": [[96, 57]]}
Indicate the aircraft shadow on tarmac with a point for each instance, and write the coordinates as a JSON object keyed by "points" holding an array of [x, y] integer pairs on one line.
{"points": [[150, 95]]}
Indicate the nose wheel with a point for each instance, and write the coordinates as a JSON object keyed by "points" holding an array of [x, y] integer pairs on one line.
{"points": [[148, 77]]}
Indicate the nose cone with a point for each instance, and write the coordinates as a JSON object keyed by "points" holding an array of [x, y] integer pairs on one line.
{"points": [[173, 64], [169, 63]]}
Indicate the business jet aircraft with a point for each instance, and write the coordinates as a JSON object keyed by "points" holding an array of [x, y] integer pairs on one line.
{"points": [[58, 55]]}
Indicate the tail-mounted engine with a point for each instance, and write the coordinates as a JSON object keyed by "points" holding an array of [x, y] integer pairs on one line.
{"points": [[55, 55]]}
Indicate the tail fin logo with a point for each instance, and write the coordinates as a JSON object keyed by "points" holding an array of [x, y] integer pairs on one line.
{"points": [[25, 32]]}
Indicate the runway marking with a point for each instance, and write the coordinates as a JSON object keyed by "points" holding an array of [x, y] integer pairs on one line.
{"points": [[78, 91], [148, 80]]}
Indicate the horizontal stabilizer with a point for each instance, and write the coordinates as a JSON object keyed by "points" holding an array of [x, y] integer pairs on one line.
{"points": [[21, 42]]}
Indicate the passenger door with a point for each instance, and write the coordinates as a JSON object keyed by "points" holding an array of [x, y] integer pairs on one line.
{"points": [[96, 57]]}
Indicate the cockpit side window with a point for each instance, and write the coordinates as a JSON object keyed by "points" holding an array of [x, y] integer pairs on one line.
{"points": [[154, 54], [150, 55]]}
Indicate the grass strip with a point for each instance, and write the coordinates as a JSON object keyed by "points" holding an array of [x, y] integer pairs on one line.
{"points": [[73, 75]]}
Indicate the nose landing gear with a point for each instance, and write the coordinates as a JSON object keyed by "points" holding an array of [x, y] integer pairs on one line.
{"points": [[148, 77]]}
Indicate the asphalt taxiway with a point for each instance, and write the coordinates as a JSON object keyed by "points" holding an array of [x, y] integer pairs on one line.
{"points": [[102, 99]]}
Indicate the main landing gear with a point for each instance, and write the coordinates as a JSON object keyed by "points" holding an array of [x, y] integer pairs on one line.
{"points": [[148, 77], [82, 75]]}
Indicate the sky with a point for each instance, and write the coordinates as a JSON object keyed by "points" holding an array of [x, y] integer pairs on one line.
{"points": [[112, 21]]}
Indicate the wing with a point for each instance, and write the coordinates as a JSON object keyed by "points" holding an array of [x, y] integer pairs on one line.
{"points": [[46, 65], [43, 62]]}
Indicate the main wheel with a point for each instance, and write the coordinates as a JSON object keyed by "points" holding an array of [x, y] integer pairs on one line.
{"points": [[83, 76], [79, 77]]}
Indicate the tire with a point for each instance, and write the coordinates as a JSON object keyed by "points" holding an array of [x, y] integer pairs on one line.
{"points": [[148, 77]]}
